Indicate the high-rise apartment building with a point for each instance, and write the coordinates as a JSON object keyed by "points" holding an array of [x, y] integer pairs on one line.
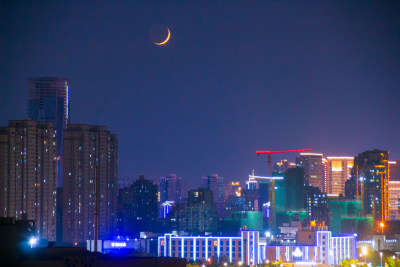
{"points": [[313, 169], [371, 179], [88, 150], [28, 176], [337, 172]]}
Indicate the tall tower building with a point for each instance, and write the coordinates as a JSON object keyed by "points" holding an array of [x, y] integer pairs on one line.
{"points": [[313, 169], [49, 101], [371, 178], [28, 164], [337, 172], [87, 148]]}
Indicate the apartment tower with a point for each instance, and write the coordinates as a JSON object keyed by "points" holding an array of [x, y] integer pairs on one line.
{"points": [[371, 178], [337, 172], [313, 169], [89, 148], [28, 176]]}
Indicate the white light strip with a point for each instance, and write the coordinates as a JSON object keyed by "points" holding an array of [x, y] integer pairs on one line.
{"points": [[306, 263], [311, 154], [194, 250], [265, 177]]}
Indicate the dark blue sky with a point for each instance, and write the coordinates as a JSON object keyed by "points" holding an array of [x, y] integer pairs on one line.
{"points": [[236, 76]]}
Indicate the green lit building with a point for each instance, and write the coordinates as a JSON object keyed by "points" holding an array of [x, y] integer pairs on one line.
{"points": [[346, 217]]}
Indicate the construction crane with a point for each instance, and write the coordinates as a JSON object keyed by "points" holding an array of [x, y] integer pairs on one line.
{"points": [[271, 194]]}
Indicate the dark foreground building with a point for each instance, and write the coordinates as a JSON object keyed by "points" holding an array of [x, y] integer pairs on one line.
{"points": [[15, 236], [78, 256]]}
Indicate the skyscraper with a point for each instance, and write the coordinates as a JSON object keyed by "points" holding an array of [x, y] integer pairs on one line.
{"points": [[337, 172], [313, 169], [49, 101], [28, 164], [88, 148], [371, 178]]}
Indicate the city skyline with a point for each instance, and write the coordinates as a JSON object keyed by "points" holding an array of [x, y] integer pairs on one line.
{"points": [[205, 102]]}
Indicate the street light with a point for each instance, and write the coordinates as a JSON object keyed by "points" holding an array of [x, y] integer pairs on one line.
{"points": [[382, 225], [380, 254], [33, 241], [364, 252]]}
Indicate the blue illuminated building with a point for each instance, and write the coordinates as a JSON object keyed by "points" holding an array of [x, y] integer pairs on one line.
{"points": [[251, 248]]}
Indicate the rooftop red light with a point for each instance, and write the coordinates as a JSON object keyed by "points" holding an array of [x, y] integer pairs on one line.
{"points": [[283, 151]]}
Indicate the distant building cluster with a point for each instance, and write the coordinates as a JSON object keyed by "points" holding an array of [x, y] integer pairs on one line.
{"points": [[63, 176]]}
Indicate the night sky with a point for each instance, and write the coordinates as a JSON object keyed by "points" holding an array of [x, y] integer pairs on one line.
{"points": [[235, 77]]}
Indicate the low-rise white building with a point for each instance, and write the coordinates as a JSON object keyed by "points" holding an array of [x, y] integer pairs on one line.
{"points": [[250, 249]]}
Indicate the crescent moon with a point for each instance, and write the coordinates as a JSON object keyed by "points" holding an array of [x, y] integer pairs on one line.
{"points": [[166, 40]]}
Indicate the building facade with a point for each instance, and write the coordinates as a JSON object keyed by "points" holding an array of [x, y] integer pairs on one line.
{"points": [[215, 182], [200, 214], [28, 177], [138, 209], [394, 170], [337, 172], [250, 249], [371, 178], [394, 200], [89, 150], [313, 169], [316, 204], [171, 188]]}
